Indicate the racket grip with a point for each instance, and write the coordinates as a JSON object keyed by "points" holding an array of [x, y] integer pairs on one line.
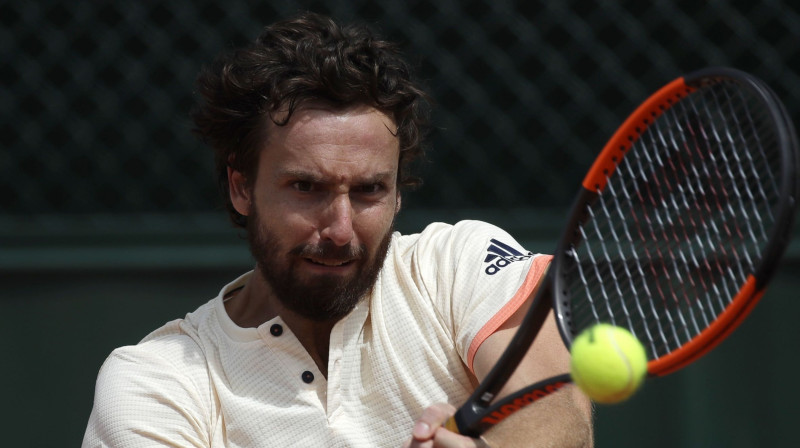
{"points": [[451, 425]]}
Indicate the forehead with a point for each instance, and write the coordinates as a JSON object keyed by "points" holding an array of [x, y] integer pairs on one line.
{"points": [[318, 135], [313, 118]]}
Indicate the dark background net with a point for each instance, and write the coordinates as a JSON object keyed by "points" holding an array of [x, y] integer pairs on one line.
{"points": [[96, 94]]}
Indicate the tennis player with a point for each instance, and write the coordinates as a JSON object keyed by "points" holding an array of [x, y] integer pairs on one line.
{"points": [[346, 333]]}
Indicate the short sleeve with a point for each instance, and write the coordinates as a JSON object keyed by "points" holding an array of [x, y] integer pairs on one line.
{"points": [[143, 400], [477, 276]]}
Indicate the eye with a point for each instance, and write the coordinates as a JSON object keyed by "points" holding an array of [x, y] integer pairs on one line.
{"points": [[370, 188], [303, 186]]}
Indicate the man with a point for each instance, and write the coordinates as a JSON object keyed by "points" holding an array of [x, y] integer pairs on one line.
{"points": [[346, 333]]}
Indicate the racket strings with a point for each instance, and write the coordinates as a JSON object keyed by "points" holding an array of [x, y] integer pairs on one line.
{"points": [[681, 222]]}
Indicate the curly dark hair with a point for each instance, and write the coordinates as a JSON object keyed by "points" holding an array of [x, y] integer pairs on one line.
{"points": [[307, 58]]}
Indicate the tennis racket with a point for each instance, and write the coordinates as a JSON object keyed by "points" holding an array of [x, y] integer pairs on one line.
{"points": [[678, 227]]}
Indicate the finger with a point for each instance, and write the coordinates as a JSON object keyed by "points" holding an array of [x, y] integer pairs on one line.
{"points": [[419, 444], [447, 439], [432, 419]]}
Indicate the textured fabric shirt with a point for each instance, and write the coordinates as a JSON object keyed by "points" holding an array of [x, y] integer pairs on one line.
{"points": [[203, 381]]}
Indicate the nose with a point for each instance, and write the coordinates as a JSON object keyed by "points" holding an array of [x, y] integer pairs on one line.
{"points": [[338, 222]]}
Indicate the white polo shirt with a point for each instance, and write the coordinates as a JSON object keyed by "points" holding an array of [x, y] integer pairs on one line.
{"points": [[203, 381]]}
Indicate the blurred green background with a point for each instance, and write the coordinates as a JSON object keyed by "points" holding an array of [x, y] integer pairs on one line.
{"points": [[110, 224]]}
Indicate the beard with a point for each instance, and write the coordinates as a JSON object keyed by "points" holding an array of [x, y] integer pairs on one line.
{"points": [[323, 297]]}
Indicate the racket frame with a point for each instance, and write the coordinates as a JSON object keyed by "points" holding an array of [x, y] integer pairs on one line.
{"points": [[481, 412]]}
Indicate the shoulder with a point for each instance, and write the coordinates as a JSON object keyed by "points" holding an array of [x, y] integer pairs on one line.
{"points": [[175, 352], [440, 233], [167, 354], [159, 386], [453, 241]]}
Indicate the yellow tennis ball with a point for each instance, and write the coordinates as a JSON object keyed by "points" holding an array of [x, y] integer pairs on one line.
{"points": [[608, 363]]}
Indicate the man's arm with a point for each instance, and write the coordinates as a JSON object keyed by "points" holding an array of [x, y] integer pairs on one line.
{"points": [[563, 419]]}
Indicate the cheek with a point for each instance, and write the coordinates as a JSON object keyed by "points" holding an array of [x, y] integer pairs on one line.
{"points": [[371, 228], [292, 227], [289, 228], [288, 214]]}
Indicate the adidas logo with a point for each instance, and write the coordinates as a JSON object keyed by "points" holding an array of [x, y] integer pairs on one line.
{"points": [[501, 255]]}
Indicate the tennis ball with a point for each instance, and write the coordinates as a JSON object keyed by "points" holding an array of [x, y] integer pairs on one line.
{"points": [[608, 363]]}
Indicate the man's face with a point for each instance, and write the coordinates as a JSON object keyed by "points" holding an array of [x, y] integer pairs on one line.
{"points": [[322, 207]]}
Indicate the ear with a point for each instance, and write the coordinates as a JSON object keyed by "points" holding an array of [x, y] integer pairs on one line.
{"points": [[239, 192], [398, 203]]}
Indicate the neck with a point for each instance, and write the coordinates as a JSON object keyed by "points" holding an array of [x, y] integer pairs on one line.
{"points": [[255, 304], [314, 336]]}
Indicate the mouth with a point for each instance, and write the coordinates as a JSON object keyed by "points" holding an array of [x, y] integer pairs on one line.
{"points": [[329, 263]]}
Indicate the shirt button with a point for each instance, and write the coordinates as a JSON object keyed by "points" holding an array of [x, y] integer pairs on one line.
{"points": [[307, 377], [276, 330]]}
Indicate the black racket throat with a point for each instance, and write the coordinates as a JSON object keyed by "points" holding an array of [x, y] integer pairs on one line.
{"points": [[479, 414], [497, 377]]}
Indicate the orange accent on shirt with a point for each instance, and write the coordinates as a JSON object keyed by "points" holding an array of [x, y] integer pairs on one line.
{"points": [[538, 268]]}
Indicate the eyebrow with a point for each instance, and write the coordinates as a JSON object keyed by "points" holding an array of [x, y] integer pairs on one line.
{"points": [[300, 174], [314, 177]]}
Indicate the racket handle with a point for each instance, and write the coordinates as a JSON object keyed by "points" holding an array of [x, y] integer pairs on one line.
{"points": [[451, 425]]}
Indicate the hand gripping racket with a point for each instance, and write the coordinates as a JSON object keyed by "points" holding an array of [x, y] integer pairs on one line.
{"points": [[674, 235]]}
